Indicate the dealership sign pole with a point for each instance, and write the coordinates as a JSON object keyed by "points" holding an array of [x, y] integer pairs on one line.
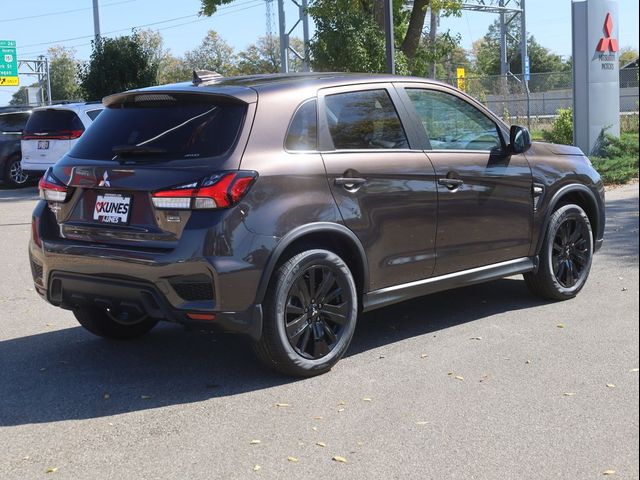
{"points": [[596, 78]]}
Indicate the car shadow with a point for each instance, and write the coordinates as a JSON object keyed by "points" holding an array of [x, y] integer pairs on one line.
{"points": [[621, 231], [70, 374]]}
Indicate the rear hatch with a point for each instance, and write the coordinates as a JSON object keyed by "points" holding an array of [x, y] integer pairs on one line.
{"points": [[48, 135], [143, 146]]}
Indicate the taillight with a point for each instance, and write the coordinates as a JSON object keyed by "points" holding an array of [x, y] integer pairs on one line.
{"points": [[52, 189], [218, 191], [60, 135]]}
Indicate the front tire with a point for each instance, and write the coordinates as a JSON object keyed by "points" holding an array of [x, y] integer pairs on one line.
{"points": [[103, 323], [565, 259], [311, 309]]}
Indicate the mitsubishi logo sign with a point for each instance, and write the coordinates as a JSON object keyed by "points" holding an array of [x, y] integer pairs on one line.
{"points": [[606, 43]]}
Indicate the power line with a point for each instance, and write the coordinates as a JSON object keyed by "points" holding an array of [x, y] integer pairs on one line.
{"points": [[256, 3], [62, 12]]}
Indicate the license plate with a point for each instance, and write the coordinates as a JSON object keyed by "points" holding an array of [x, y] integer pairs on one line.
{"points": [[112, 208], [43, 144]]}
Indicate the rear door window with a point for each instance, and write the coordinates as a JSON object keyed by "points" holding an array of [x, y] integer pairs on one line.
{"points": [[302, 133], [163, 126], [93, 114], [13, 122], [364, 120], [53, 122]]}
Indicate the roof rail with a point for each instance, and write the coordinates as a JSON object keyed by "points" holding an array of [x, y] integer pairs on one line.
{"points": [[202, 76]]}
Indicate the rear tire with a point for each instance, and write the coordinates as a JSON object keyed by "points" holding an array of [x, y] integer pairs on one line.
{"points": [[13, 174], [566, 255], [310, 314], [100, 322]]}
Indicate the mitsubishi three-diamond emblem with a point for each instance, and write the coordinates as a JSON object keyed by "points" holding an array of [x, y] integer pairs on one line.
{"points": [[105, 180]]}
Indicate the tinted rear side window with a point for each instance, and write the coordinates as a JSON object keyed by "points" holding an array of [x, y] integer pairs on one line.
{"points": [[53, 121], [171, 127], [302, 133], [364, 120], [13, 122]]}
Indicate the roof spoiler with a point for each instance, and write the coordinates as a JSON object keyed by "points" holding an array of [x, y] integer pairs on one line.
{"points": [[203, 76]]}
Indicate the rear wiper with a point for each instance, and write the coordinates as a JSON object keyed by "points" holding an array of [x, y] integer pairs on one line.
{"points": [[134, 150]]}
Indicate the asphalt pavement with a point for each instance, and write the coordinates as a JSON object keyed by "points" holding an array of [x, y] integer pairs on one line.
{"points": [[485, 382]]}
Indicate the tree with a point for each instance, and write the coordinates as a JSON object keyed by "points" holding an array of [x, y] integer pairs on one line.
{"points": [[173, 69], [368, 16], [63, 69], [487, 53], [118, 64], [260, 57], [212, 54], [627, 55]]}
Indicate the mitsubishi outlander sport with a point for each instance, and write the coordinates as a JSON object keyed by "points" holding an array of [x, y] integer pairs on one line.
{"points": [[283, 206]]}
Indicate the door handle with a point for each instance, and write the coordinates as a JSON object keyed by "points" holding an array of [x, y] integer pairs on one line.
{"points": [[349, 182], [451, 183]]}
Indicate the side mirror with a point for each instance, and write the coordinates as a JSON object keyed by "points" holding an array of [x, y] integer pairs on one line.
{"points": [[519, 139]]}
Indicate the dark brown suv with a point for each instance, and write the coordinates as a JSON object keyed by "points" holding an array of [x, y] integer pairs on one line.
{"points": [[282, 206]]}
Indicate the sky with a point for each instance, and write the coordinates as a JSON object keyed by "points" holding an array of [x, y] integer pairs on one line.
{"points": [[39, 24]]}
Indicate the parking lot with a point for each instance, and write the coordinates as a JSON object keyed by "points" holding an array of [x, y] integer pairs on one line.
{"points": [[485, 382]]}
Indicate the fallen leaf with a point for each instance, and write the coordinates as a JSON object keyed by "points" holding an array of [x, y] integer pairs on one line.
{"points": [[342, 403], [424, 355], [528, 362], [51, 470], [634, 370], [421, 423], [283, 404], [43, 369], [450, 373], [560, 325], [611, 385], [26, 457], [321, 444], [318, 417], [366, 399], [49, 324], [256, 468], [568, 394], [254, 442], [106, 396], [624, 289], [475, 338], [340, 459], [609, 472], [341, 409], [293, 459], [315, 429], [458, 377], [145, 397]]}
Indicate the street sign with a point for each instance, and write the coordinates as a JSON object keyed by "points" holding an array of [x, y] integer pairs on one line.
{"points": [[527, 69], [460, 73], [8, 63]]}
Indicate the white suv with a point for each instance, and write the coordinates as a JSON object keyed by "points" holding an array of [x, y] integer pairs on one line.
{"points": [[52, 131]]}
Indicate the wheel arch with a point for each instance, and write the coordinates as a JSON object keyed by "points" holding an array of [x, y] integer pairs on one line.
{"points": [[331, 236], [580, 195]]}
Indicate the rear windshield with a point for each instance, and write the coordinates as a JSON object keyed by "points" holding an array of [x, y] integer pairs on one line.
{"points": [[53, 121], [164, 126], [13, 122]]}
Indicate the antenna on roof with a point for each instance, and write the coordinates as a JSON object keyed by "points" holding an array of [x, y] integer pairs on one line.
{"points": [[201, 76]]}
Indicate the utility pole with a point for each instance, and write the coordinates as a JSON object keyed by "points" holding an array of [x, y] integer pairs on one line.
{"points": [[433, 32], [388, 36], [284, 39], [96, 20]]}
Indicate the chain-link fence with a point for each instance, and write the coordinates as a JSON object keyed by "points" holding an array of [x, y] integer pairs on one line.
{"points": [[507, 96]]}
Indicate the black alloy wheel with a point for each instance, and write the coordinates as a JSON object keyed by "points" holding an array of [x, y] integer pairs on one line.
{"points": [[316, 312], [571, 254]]}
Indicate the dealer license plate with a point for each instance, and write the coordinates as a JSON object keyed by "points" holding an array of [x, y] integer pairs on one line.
{"points": [[112, 208]]}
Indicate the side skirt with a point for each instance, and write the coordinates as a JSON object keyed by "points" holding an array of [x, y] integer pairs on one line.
{"points": [[399, 293]]}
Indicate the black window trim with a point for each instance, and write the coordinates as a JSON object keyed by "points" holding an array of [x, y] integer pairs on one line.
{"points": [[293, 116]]}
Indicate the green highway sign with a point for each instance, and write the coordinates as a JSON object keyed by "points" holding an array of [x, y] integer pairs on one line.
{"points": [[8, 63]]}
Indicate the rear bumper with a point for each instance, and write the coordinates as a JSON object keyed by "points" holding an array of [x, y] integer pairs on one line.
{"points": [[192, 278]]}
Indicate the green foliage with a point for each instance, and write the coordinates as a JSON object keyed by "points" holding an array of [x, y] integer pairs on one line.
{"points": [[118, 64], [212, 54], [21, 96], [617, 161], [209, 7], [561, 128], [63, 68], [627, 55]]}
